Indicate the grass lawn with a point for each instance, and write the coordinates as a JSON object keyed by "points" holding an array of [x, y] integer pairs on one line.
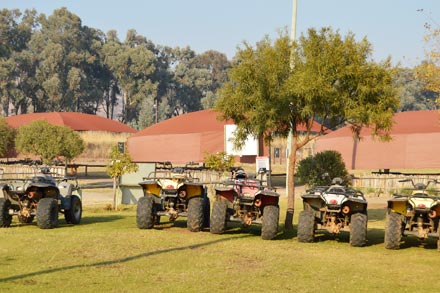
{"points": [[108, 253]]}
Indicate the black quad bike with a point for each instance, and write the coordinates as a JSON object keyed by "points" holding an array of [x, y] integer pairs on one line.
{"points": [[173, 192], [247, 201], [43, 197], [416, 214], [334, 208]]}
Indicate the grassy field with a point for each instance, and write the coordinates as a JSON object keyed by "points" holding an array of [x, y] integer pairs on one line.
{"points": [[108, 253]]}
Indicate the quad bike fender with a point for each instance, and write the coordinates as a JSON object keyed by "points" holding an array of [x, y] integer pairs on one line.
{"points": [[266, 197], [194, 190], [398, 205], [151, 187], [226, 192], [354, 206], [313, 200], [43, 190]]}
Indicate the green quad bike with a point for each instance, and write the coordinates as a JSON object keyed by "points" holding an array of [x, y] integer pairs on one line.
{"points": [[417, 214], [43, 197], [334, 208], [173, 192], [247, 201]]}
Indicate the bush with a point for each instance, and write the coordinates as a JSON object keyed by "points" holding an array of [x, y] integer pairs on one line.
{"points": [[321, 168]]}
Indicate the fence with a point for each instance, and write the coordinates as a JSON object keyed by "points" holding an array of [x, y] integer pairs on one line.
{"points": [[388, 184], [16, 171]]}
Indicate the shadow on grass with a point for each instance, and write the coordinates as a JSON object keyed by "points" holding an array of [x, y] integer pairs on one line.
{"points": [[377, 214], [99, 219], [118, 261]]}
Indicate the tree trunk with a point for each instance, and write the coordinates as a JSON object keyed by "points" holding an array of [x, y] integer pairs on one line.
{"points": [[288, 223], [115, 207]]}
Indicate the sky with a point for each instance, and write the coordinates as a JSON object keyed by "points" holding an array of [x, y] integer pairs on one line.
{"points": [[395, 28]]}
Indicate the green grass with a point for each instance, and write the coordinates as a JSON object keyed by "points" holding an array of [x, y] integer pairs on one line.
{"points": [[108, 253]]}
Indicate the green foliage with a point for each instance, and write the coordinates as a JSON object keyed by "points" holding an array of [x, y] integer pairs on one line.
{"points": [[120, 163], [321, 168], [7, 134], [48, 141], [219, 162], [55, 63], [282, 87]]}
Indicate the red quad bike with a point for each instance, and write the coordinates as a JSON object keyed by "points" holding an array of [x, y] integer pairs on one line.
{"points": [[43, 197], [173, 192], [334, 208], [417, 214], [246, 201]]}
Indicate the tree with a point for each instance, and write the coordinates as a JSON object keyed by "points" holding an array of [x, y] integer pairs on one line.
{"points": [[119, 164], [7, 134], [412, 92], [220, 162], [429, 71], [276, 88], [48, 141]]}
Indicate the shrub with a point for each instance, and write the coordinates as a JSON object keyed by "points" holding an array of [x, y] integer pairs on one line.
{"points": [[321, 168]]}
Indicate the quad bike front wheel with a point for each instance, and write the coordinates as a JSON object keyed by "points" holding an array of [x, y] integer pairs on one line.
{"points": [[195, 214], [5, 217], [393, 230], [47, 213], [218, 216], [144, 212], [358, 229], [306, 226], [73, 215], [271, 216]]}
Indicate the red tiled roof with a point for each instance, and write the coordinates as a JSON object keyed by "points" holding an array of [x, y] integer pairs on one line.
{"points": [[404, 123], [194, 122], [74, 120]]}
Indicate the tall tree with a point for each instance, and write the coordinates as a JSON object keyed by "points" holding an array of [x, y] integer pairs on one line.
{"points": [[412, 92], [68, 68], [277, 87], [132, 63], [429, 71]]}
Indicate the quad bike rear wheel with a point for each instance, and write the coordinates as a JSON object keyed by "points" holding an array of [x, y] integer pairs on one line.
{"points": [[195, 214], [144, 212], [47, 213], [218, 216], [306, 226], [5, 217], [73, 215], [358, 229], [269, 229], [393, 230]]}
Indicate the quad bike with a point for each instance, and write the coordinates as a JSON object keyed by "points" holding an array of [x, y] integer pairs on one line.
{"points": [[43, 197], [334, 208], [247, 201], [174, 193], [417, 214]]}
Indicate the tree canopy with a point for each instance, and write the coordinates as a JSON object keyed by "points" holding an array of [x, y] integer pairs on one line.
{"points": [[55, 63], [279, 86], [48, 141]]}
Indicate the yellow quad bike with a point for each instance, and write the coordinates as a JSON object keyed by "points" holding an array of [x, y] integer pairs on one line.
{"points": [[173, 192], [417, 214]]}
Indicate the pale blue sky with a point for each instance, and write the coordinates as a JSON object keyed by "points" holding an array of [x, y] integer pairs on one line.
{"points": [[394, 27]]}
